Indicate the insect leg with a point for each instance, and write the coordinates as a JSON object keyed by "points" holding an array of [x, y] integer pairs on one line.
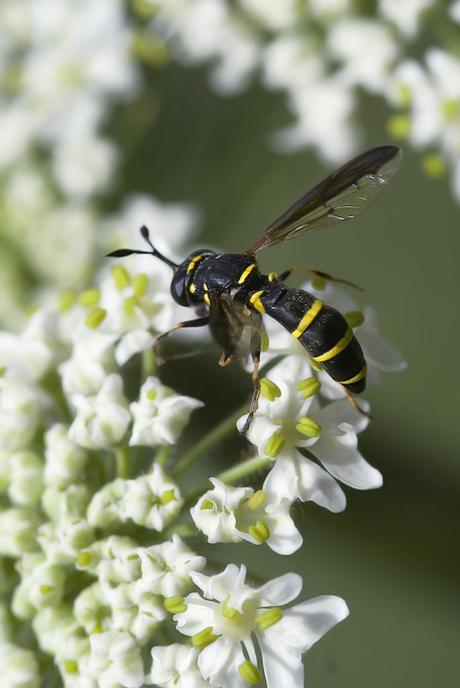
{"points": [[355, 404], [255, 354], [198, 322], [317, 273]]}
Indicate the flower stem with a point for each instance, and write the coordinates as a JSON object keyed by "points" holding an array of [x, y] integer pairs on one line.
{"points": [[162, 455], [241, 470], [122, 461], [212, 438], [148, 362]]}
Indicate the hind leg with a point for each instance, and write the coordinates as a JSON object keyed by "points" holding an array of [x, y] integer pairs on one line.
{"points": [[355, 404], [317, 273]]}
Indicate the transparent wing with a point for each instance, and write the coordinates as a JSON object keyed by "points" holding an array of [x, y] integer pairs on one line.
{"points": [[341, 196], [231, 325]]}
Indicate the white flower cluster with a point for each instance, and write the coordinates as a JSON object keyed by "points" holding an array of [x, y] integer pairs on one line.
{"points": [[322, 54], [94, 513], [64, 66]]}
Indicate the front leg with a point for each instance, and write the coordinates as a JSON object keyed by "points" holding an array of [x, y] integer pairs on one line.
{"points": [[255, 354], [198, 322]]}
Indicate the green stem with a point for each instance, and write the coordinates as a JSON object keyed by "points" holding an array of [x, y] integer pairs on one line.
{"points": [[241, 470], [148, 362], [162, 455], [212, 438], [122, 461], [184, 530]]}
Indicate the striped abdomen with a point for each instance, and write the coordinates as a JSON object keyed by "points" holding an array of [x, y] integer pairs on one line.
{"points": [[321, 329]]}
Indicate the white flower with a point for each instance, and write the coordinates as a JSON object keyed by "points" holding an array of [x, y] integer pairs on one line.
{"points": [[323, 120], [105, 509], [101, 421], [18, 530], [166, 568], [113, 560], [26, 478], [406, 15], [92, 609], [65, 460], [232, 514], [160, 415], [287, 62], [224, 619], [171, 224], [274, 15], [175, 666], [84, 165], [208, 30], [62, 541], [350, 39], [21, 408], [328, 433], [116, 659], [127, 308], [42, 585], [19, 667], [153, 500], [29, 356], [325, 9], [67, 503], [86, 370], [454, 10]]}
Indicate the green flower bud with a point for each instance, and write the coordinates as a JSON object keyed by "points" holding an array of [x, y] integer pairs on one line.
{"points": [[140, 284], [307, 426], [260, 531], [398, 126], [256, 500], [175, 605], [89, 297], [121, 277], [354, 318], [203, 638], [309, 387], [434, 165], [249, 673], [269, 389], [268, 618], [95, 317], [67, 300], [275, 444]]}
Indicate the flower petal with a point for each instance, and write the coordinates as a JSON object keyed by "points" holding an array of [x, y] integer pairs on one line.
{"points": [[281, 590], [339, 454], [296, 476]]}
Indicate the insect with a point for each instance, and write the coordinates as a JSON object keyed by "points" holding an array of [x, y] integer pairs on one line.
{"points": [[230, 295]]}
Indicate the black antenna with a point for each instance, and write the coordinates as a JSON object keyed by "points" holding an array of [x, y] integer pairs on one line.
{"points": [[122, 252]]}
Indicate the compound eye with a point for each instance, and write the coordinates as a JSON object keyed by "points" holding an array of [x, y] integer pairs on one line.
{"points": [[178, 290]]}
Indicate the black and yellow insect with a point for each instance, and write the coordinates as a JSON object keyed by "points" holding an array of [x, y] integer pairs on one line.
{"points": [[230, 295]]}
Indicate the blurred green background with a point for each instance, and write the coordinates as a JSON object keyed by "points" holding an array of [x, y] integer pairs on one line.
{"points": [[392, 554]]}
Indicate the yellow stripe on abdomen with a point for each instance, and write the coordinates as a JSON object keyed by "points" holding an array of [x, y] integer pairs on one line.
{"points": [[356, 378], [308, 318], [337, 349]]}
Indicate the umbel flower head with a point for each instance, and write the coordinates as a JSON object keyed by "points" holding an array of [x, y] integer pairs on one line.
{"points": [[224, 618], [98, 503]]}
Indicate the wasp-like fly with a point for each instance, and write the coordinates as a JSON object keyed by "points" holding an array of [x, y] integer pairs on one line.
{"points": [[230, 295]]}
